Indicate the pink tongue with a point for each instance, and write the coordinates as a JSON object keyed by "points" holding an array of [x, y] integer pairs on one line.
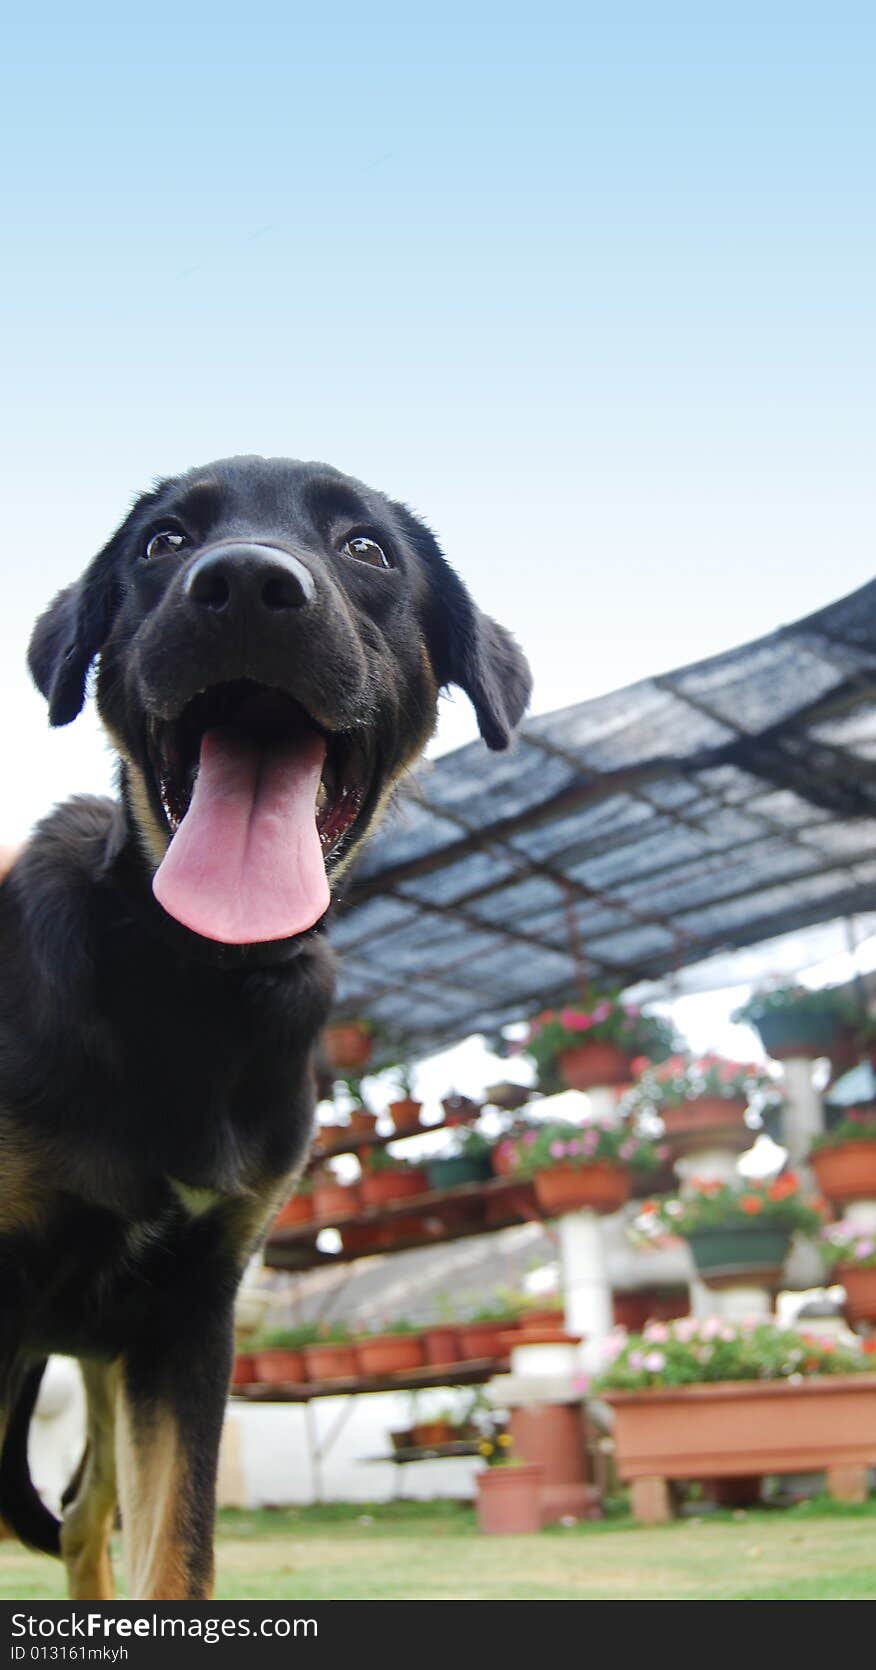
{"points": [[246, 863]]}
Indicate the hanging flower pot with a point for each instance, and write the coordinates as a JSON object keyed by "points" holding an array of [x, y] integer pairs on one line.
{"points": [[509, 1499], [389, 1354], [428, 1435], [600, 1187], [860, 1285], [703, 1113], [586, 1066], [846, 1170], [722, 1254], [796, 1021], [405, 1115]]}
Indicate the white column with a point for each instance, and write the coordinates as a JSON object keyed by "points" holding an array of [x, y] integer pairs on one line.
{"points": [[804, 1113], [586, 1287]]}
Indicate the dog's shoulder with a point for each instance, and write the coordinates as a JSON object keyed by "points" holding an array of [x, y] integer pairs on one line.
{"points": [[47, 890]]}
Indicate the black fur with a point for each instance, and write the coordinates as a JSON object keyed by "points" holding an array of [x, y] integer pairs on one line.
{"points": [[137, 1062]]}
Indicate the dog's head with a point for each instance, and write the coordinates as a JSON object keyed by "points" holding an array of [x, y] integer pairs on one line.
{"points": [[272, 639]]}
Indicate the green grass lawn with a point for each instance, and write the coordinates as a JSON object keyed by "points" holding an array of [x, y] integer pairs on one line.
{"points": [[432, 1550]]}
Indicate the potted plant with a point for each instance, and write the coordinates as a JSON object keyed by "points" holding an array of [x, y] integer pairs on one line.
{"points": [[405, 1110], [467, 1161], [844, 1158], [440, 1339], [711, 1398], [736, 1229], [508, 1491], [393, 1350], [577, 1166], [331, 1197], [481, 1335], [361, 1121], [850, 1254], [298, 1209], [459, 1109], [244, 1371], [385, 1178], [793, 1020], [594, 1043], [331, 1355], [348, 1044], [699, 1096], [279, 1354]]}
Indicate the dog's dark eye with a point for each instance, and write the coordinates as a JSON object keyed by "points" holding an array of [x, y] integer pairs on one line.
{"points": [[165, 543], [363, 549]]}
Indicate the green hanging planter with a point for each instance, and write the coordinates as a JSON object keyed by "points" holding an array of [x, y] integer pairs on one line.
{"points": [[737, 1249]]}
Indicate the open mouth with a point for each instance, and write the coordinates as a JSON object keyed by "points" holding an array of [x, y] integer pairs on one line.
{"points": [[257, 798]]}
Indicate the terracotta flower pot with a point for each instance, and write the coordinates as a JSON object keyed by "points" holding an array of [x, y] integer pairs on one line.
{"points": [[362, 1123], [587, 1065], [335, 1200], [482, 1339], [405, 1115], [860, 1286], [509, 1499], [379, 1187], [440, 1345], [553, 1435], [277, 1366], [723, 1255], [703, 1113], [244, 1371], [389, 1354], [847, 1172], [543, 1316], [602, 1187], [347, 1045], [298, 1210], [428, 1434], [460, 1110], [331, 1362]]}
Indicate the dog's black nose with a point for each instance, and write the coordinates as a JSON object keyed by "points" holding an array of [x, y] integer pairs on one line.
{"points": [[253, 576]]}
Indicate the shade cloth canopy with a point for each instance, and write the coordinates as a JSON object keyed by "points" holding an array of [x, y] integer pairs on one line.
{"points": [[621, 839]]}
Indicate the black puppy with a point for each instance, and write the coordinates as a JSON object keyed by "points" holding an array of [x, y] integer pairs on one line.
{"points": [[272, 639]]}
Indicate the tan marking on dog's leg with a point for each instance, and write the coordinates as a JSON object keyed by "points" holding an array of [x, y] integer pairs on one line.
{"points": [[88, 1519], [153, 1482], [8, 856]]}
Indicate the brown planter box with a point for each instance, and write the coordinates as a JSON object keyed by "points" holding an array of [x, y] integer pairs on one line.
{"points": [[481, 1339], [379, 1187], [277, 1365], [298, 1210], [601, 1187], [331, 1362], [389, 1354], [335, 1200], [847, 1172], [741, 1428], [440, 1346]]}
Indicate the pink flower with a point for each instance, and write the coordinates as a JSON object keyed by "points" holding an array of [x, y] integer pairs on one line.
{"points": [[530, 1138], [627, 1150], [636, 1360], [601, 1012], [655, 1361], [865, 1249], [657, 1332], [685, 1329], [557, 1150]]}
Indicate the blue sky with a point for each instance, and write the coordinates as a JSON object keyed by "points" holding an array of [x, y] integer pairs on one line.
{"points": [[591, 287]]}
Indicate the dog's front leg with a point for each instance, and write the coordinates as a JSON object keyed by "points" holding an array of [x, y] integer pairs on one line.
{"points": [[171, 1403]]}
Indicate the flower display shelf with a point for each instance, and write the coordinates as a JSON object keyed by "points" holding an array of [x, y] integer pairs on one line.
{"points": [[739, 1428], [429, 1452], [497, 1204], [472, 1373]]}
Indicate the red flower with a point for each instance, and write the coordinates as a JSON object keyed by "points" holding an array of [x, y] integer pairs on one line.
{"points": [[751, 1204]]}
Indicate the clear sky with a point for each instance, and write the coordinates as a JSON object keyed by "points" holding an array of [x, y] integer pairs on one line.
{"points": [[591, 286]]}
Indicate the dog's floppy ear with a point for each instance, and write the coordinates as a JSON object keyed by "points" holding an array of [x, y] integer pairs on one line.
{"points": [[467, 647], [68, 636]]}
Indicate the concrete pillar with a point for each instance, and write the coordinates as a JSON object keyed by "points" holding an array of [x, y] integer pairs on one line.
{"points": [[586, 1287], [804, 1112]]}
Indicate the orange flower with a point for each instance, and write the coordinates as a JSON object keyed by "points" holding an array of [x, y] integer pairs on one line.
{"points": [[782, 1188], [751, 1204]]}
